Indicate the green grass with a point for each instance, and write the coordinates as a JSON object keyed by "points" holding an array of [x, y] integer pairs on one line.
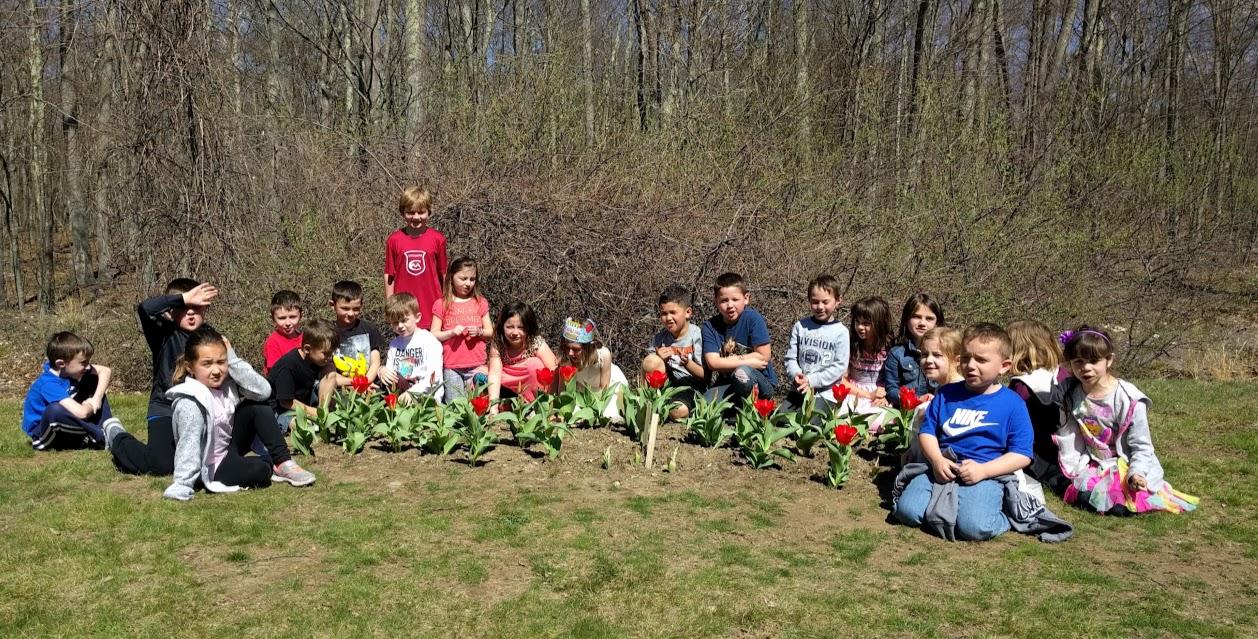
{"points": [[390, 545]]}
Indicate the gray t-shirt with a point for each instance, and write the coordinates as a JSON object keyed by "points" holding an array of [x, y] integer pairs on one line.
{"points": [[689, 346]]}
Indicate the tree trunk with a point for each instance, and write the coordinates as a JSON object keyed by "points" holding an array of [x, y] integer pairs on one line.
{"points": [[72, 197], [40, 212], [107, 66], [587, 60], [416, 24], [920, 60], [801, 77], [274, 89], [640, 10]]}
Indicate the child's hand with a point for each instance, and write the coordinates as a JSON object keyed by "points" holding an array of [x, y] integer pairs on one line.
{"points": [[227, 344], [971, 472], [91, 405], [1138, 482], [388, 376], [474, 331], [406, 398], [664, 352], [924, 399], [459, 330], [801, 383], [945, 471], [200, 295], [881, 402]]}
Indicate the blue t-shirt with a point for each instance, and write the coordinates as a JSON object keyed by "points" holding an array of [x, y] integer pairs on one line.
{"points": [[48, 389], [748, 331], [976, 426]]}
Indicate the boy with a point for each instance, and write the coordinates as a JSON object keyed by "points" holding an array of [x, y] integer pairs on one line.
{"points": [[414, 361], [357, 336], [818, 351], [415, 255], [678, 348], [297, 380], [736, 344], [286, 316], [66, 406], [973, 432]]}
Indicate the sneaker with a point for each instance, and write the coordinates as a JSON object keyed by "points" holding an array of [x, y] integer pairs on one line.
{"points": [[113, 428], [291, 473]]}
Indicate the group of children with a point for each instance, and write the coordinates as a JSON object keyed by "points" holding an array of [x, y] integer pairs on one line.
{"points": [[1065, 419]]}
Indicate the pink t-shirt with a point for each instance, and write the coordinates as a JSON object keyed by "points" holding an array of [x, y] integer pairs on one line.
{"points": [[462, 351], [519, 373], [276, 346], [221, 413], [417, 265]]}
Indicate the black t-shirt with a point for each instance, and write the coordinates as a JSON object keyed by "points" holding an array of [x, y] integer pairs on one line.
{"points": [[291, 378], [363, 338]]}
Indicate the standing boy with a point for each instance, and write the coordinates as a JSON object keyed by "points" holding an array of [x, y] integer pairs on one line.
{"points": [[678, 348], [973, 431], [357, 336], [415, 255], [737, 349], [414, 362], [66, 406], [286, 316]]}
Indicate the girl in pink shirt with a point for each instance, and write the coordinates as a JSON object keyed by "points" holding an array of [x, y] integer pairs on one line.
{"points": [[460, 321], [516, 354]]}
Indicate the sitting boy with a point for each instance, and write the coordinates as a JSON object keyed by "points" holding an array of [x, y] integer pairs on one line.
{"points": [[414, 362], [286, 336], [737, 349], [357, 336], [975, 434], [298, 382], [66, 406], [677, 349]]}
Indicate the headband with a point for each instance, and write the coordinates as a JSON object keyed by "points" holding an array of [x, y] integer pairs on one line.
{"points": [[1065, 337]]}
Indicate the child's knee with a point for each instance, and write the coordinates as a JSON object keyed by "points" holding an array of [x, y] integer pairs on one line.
{"points": [[58, 414], [743, 380], [651, 363], [910, 508], [982, 527], [980, 511]]}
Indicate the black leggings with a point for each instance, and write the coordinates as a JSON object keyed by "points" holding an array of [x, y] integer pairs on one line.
{"points": [[237, 470], [157, 457]]}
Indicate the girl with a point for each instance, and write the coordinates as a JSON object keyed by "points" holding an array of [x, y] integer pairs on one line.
{"points": [[460, 321], [1105, 448], [901, 370], [871, 335], [1036, 375], [595, 369], [210, 380], [816, 356], [941, 364], [516, 354]]}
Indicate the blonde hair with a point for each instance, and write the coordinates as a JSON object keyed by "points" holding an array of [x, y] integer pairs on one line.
{"points": [[415, 197], [589, 355], [949, 344], [1033, 347], [398, 306]]}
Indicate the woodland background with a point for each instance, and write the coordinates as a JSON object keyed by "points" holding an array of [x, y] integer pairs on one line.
{"points": [[1060, 159]]}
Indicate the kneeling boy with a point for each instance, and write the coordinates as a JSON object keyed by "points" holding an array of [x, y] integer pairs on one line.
{"points": [[973, 432], [66, 406], [301, 379]]}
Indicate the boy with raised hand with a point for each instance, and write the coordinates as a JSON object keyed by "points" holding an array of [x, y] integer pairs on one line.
{"points": [[357, 336], [415, 255], [414, 362], [677, 349], [974, 432], [66, 406], [737, 349], [298, 380], [286, 314]]}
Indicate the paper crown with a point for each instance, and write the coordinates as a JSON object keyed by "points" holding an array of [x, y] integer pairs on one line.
{"points": [[578, 332]]}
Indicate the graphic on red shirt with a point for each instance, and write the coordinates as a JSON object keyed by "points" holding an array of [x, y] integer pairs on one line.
{"points": [[415, 262]]}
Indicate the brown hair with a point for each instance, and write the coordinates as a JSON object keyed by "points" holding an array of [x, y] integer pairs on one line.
{"points": [[203, 336], [829, 284], [988, 332], [876, 311], [286, 300], [65, 346], [399, 306], [1034, 347], [346, 291], [447, 284], [415, 197], [726, 280], [320, 334], [1089, 344]]}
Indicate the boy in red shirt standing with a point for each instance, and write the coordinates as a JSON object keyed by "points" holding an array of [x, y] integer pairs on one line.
{"points": [[415, 255]]}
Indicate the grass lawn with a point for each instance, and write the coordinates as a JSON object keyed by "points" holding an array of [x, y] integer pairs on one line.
{"points": [[415, 545]]}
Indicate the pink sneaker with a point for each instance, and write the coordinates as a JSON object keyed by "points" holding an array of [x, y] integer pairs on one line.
{"points": [[291, 473]]}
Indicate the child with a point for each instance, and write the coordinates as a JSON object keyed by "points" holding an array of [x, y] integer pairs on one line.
{"points": [[1036, 371], [66, 406], [941, 364], [286, 316], [166, 321], [357, 336], [871, 335], [595, 369], [210, 443], [816, 355], [901, 369], [298, 381], [737, 349], [460, 321], [677, 349], [975, 434], [517, 354], [1106, 451], [415, 255], [414, 362]]}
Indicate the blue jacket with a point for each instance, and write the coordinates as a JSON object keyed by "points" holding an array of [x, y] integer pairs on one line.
{"points": [[903, 369]]}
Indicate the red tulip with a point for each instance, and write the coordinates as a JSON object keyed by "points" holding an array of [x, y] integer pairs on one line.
{"points": [[765, 407], [567, 372], [844, 434], [656, 379], [480, 404], [841, 392], [390, 400], [544, 377], [361, 384], [909, 399]]}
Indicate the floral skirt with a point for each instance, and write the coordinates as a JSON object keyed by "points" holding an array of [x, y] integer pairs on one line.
{"points": [[1105, 488]]}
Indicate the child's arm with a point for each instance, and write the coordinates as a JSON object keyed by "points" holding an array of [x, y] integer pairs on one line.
{"points": [[486, 326], [251, 384], [945, 469], [82, 410], [388, 286], [373, 365], [605, 369], [103, 376], [791, 361], [387, 373], [1143, 461], [694, 365], [547, 356], [889, 378], [495, 376]]}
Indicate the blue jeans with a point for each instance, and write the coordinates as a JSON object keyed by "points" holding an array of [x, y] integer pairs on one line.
{"points": [[737, 385], [980, 507]]}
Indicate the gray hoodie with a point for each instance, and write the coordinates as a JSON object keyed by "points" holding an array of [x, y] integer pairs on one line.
{"points": [[191, 421], [1131, 442], [820, 352]]}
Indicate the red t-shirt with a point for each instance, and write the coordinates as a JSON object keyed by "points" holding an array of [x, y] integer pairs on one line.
{"points": [[278, 345], [417, 265]]}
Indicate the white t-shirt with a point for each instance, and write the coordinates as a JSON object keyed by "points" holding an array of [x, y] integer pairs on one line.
{"points": [[417, 359]]}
